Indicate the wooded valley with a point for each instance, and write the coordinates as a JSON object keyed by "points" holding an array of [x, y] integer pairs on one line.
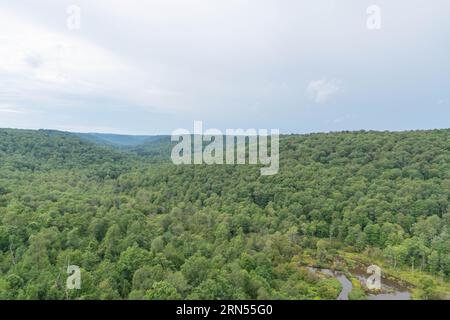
{"points": [[140, 227]]}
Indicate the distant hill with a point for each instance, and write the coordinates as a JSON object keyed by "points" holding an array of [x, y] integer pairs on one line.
{"points": [[37, 150], [117, 140], [153, 148]]}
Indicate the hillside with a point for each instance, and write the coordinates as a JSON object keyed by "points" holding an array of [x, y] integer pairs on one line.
{"points": [[160, 231], [50, 149], [26, 151], [117, 140], [153, 148]]}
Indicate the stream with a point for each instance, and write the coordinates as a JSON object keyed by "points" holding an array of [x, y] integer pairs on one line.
{"points": [[390, 289]]}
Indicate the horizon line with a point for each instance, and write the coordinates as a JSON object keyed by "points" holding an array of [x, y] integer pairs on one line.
{"points": [[169, 134]]}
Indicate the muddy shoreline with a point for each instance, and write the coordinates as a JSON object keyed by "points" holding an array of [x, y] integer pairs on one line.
{"points": [[391, 288]]}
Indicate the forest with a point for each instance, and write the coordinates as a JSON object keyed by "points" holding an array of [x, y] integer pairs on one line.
{"points": [[140, 227]]}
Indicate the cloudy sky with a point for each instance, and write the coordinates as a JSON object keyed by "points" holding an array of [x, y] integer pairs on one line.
{"points": [[299, 66]]}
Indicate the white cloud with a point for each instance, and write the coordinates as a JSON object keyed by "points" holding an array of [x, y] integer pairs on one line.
{"points": [[6, 108], [45, 56], [43, 64], [154, 65], [322, 90]]}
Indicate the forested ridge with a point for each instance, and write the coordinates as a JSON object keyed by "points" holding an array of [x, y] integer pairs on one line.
{"points": [[145, 229]]}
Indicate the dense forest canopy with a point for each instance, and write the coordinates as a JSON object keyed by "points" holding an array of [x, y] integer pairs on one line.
{"points": [[146, 229]]}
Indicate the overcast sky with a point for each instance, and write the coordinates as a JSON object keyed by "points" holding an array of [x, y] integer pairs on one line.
{"points": [[298, 66]]}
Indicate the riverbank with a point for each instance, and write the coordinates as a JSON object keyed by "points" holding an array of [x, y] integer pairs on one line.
{"points": [[422, 285], [354, 288], [350, 269]]}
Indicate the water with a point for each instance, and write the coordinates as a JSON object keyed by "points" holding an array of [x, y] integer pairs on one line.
{"points": [[390, 289], [346, 286]]}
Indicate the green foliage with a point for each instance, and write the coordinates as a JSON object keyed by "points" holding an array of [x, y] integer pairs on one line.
{"points": [[162, 291], [146, 229], [357, 294]]}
